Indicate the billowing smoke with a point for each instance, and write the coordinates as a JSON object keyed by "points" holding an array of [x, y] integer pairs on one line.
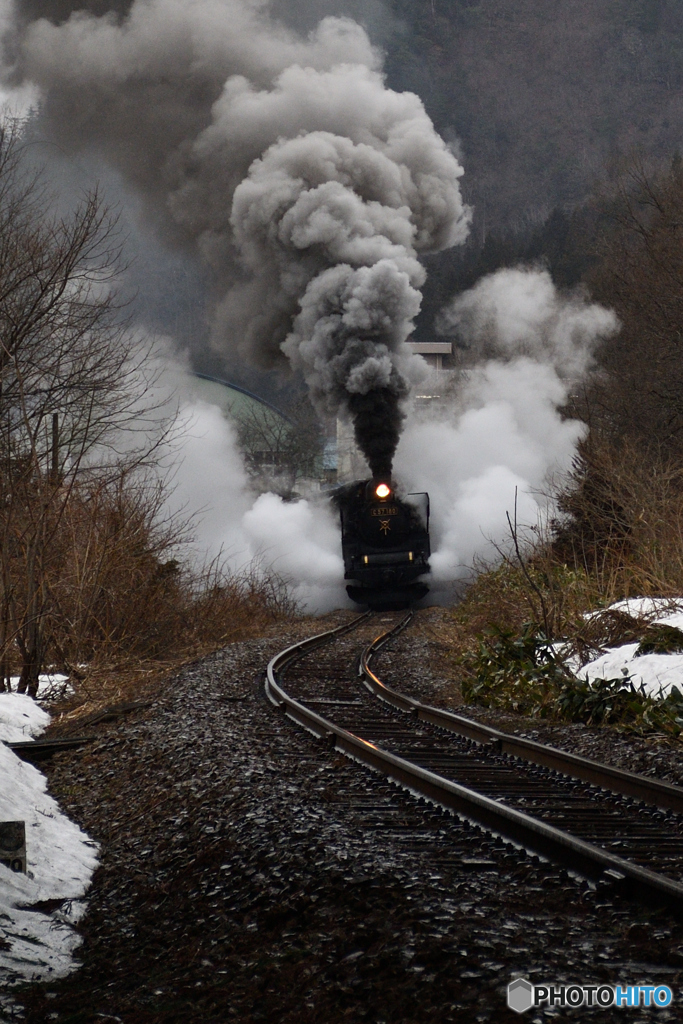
{"points": [[496, 444], [297, 540], [308, 186], [216, 509]]}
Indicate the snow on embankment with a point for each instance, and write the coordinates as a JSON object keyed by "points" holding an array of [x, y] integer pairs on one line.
{"points": [[37, 938], [656, 673]]}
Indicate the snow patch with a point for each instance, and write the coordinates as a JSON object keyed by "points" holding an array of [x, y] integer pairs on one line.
{"points": [[21, 718], [655, 673], [38, 942]]}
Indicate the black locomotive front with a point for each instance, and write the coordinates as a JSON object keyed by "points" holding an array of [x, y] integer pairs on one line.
{"points": [[385, 544]]}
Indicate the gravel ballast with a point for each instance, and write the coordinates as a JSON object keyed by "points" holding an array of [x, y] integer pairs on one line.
{"points": [[250, 873]]}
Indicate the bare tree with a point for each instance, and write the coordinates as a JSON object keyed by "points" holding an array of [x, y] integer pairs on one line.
{"points": [[279, 450], [72, 379]]}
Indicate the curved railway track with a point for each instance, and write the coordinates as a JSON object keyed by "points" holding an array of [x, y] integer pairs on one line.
{"points": [[600, 822]]}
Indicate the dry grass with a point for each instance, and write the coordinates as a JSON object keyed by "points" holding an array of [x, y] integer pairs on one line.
{"points": [[120, 589], [623, 522], [131, 679], [122, 609]]}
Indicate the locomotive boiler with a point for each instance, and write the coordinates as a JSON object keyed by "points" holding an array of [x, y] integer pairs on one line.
{"points": [[385, 544]]}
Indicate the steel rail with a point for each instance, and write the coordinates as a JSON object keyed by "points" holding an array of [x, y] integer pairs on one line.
{"points": [[297, 650], [40, 750], [664, 795], [582, 857]]}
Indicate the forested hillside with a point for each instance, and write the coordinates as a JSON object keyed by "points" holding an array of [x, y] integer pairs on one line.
{"points": [[545, 95]]}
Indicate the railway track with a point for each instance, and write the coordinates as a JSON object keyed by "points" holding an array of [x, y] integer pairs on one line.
{"points": [[600, 822]]}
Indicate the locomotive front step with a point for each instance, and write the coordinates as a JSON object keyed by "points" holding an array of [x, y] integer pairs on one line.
{"points": [[383, 600]]}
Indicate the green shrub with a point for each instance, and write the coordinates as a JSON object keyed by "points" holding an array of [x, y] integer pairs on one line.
{"points": [[517, 672], [620, 702], [522, 672], [600, 701]]}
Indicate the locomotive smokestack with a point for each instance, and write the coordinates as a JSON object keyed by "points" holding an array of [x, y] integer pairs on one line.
{"points": [[377, 419]]}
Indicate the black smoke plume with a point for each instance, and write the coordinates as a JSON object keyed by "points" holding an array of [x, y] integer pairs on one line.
{"points": [[309, 187]]}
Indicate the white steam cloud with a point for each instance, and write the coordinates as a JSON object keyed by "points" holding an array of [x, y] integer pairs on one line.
{"points": [[299, 540], [518, 312], [503, 435]]}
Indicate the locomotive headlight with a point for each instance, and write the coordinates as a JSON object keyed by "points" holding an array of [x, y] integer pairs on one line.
{"points": [[382, 491]]}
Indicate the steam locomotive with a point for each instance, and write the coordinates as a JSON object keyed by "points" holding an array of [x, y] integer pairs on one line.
{"points": [[385, 544]]}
